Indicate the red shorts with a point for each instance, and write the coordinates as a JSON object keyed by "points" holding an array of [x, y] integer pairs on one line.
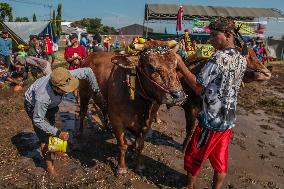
{"points": [[216, 149]]}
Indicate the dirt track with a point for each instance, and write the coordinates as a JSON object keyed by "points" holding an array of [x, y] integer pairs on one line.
{"points": [[256, 157]]}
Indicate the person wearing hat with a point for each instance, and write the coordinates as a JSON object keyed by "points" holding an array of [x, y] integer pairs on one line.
{"points": [[218, 84], [19, 66], [42, 99], [5, 49], [48, 48], [97, 43], [28, 62], [36, 48], [75, 53], [22, 51], [106, 43], [85, 41]]}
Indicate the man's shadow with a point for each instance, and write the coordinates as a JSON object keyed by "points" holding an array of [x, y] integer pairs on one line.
{"points": [[157, 138], [27, 145], [97, 147]]}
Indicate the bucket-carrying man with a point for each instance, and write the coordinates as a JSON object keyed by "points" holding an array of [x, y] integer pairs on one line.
{"points": [[42, 100], [218, 84]]}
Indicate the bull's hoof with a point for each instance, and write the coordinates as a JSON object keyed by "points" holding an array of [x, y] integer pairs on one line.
{"points": [[121, 171]]}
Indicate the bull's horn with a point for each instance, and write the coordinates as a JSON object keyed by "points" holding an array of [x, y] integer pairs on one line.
{"points": [[138, 47], [172, 43]]}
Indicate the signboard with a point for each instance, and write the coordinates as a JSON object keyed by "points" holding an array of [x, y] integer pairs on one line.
{"points": [[200, 26], [204, 50], [246, 28], [250, 27]]}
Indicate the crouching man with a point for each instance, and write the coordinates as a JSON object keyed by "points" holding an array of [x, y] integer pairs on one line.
{"points": [[42, 100]]}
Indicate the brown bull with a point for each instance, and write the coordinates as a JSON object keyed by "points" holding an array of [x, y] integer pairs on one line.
{"points": [[156, 83], [193, 103]]}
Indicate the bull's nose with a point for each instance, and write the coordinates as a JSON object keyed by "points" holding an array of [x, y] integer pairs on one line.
{"points": [[177, 94]]}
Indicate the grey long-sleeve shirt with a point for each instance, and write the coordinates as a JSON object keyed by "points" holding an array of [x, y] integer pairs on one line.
{"points": [[42, 97]]}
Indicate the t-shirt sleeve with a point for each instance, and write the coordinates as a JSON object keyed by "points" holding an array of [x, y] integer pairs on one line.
{"points": [[209, 72], [88, 75], [66, 53]]}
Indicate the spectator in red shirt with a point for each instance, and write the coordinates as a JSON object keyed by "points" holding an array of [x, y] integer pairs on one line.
{"points": [[48, 46], [75, 53]]}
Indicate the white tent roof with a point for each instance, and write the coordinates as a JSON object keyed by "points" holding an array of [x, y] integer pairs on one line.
{"points": [[25, 29]]}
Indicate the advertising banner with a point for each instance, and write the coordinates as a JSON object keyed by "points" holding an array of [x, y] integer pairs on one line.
{"points": [[205, 50], [246, 28]]}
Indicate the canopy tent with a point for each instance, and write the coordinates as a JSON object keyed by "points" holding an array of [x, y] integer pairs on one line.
{"points": [[169, 12], [20, 32]]}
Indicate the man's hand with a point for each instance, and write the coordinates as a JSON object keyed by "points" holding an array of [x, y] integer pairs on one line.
{"points": [[64, 136]]}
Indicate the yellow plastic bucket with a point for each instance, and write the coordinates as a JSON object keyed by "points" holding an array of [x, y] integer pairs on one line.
{"points": [[56, 144]]}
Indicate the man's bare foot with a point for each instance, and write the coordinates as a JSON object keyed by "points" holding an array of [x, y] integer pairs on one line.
{"points": [[50, 168]]}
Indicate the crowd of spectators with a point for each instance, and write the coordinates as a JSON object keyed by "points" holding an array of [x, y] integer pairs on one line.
{"points": [[16, 62]]}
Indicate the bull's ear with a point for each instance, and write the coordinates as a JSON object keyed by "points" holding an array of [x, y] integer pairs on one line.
{"points": [[127, 62]]}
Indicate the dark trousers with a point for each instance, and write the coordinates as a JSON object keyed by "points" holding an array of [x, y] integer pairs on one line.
{"points": [[5, 60]]}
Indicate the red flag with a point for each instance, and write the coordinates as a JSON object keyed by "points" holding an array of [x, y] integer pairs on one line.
{"points": [[179, 19]]}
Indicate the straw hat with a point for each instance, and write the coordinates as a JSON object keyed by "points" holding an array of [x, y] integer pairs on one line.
{"points": [[62, 78]]}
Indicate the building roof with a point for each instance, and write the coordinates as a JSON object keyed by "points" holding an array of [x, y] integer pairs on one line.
{"points": [[169, 12], [134, 29]]}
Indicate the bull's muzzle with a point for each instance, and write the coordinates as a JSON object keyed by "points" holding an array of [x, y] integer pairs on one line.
{"points": [[175, 98]]}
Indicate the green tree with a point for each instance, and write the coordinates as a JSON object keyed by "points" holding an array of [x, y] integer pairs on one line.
{"points": [[34, 18], [107, 30], [10, 18], [53, 22], [92, 24], [21, 19], [58, 20], [5, 11]]}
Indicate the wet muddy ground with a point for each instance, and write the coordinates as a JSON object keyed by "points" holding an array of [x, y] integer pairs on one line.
{"points": [[256, 152]]}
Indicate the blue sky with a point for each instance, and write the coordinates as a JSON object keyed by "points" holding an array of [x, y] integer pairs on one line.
{"points": [[120, 13]]}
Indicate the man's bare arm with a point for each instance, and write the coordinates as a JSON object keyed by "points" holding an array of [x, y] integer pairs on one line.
{"points": [[189, 77]]}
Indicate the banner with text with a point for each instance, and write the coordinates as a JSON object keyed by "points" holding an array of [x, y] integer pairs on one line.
{"points": [[246, 28]]}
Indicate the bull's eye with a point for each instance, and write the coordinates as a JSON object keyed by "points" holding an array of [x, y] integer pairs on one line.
{"points": [[152, 68]]}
